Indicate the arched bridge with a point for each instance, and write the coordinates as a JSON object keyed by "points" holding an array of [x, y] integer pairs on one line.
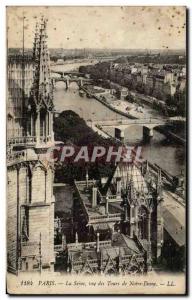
{"points": [[70, 73], [69, 77], [148, 125]]}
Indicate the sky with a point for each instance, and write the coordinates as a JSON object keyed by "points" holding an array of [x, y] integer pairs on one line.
{"points": [[125, 27]]}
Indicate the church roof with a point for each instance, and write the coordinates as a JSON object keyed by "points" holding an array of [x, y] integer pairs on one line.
{"points": [[121, 245], [127, 173]]}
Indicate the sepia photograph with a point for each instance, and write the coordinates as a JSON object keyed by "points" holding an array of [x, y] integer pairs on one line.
{"points": [[96, 141]]}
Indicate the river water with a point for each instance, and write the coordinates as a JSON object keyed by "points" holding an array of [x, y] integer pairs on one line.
{"points": [[166, 154]]}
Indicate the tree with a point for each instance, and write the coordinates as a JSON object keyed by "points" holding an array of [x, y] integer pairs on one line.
{"points": [[70, 128]]}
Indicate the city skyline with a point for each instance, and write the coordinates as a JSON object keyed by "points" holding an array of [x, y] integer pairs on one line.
{"points": [[127, 28]]}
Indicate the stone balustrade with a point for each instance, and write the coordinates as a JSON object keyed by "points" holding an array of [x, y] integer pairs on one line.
{"points": [[105, 218], [28, 140]]}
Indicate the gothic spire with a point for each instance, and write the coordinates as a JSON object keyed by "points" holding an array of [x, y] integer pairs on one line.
{"points": [[42, 86], [36, 41]]}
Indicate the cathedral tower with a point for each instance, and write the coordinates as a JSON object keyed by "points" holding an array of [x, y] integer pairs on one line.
{"points": [[30, 200]]}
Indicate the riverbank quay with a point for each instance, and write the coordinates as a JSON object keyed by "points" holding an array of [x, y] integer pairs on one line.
{"points": [[101, 132], [164, 130], [102, 100], [172, 136]]}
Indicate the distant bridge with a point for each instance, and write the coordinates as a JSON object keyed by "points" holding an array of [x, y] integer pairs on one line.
{"points": [[123, 123], [148, 125], [70, 73], [69, 77]]}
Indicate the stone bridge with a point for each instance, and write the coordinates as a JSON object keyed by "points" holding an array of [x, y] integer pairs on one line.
{"points": [[70, 73], [69, 77], [148, 125]]}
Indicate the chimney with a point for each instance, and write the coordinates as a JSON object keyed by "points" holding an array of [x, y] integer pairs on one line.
{"points": [[118, 185], [94, 197], [106, 205], [97, 244], [76, 238], [87, 178]]}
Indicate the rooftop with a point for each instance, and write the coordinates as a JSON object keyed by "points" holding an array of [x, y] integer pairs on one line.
{"points": [[129, 172], [96, 212], [120, 245]]}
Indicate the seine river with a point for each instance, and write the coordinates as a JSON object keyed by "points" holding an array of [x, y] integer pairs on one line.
{"points": [[166, 154]]}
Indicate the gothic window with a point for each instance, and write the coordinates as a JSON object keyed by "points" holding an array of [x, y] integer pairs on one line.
{"points": [[42, 123], [143, 222], [26, 266], [25, 225], [29, 185]]}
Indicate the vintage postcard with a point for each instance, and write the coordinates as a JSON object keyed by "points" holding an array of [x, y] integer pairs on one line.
{"points": [[96, 150]]}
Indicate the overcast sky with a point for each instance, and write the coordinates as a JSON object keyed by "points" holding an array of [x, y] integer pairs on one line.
{"points": [[101, 27]]}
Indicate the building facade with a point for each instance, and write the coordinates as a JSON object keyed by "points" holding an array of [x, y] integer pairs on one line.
{"points": [[20, 74], [30, 200]]}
